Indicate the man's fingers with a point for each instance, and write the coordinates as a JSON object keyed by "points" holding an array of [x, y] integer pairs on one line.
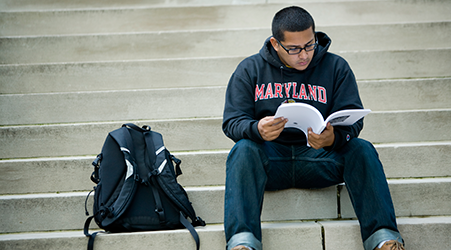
{"points": [[270, 127], [279, 122], [325, 139], [271, 121]]}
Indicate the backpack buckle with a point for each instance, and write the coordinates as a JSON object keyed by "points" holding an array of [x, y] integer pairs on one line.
{"points": [[137, 179], [200, 222]]}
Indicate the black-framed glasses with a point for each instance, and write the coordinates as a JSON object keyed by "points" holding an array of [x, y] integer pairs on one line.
{"points": [[298, 50]]}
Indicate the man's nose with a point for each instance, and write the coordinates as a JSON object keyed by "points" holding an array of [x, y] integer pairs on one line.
{"points": [[303, 54]]}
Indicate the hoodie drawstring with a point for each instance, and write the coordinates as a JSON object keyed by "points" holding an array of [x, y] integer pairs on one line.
{"points": [[281, 73]]}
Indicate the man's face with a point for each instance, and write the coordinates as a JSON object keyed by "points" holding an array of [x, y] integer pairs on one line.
{"points": [[293, 40]]}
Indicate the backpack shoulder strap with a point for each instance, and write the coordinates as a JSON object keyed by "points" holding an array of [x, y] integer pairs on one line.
{"points": [[191, 229], [122, 197], [155, 146], [167, 179], [123, 138]]}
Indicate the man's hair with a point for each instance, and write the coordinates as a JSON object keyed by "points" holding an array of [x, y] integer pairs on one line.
{"points": [[291, 19]]}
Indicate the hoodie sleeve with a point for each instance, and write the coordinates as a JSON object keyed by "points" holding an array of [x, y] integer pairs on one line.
{"points": [[346, 96], [239, 119]]}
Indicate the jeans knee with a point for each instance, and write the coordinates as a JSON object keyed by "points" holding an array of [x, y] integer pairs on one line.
{"points": [[245, 148], [246, 153], [246, 143], [362, 147], [363, 155]]}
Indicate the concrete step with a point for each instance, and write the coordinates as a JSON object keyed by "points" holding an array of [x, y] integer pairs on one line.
{"points": [[411, 197], [407, 160], [36, 212], [197, 72], [27, 5], [399, 64], [145, 19], [112, 105], [87, 138], [119, 75], [419, 233], [405, 94], [407, 126], [136, 46], [211, 237], [46, 5], [170, 103], [69, 174]]}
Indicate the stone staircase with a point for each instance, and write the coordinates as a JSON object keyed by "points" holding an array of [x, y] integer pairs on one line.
{"points": [[72, 71]]}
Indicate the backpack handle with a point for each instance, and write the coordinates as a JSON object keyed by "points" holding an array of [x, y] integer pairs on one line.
{"points": [[145, 128]]}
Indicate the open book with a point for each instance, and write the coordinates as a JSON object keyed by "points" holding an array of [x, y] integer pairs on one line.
{"points": [[303, 116]]}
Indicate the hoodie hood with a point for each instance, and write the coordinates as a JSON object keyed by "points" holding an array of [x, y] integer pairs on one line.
{"points": [[269, 54]]}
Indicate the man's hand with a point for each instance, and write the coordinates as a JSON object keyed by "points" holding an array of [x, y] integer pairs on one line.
{"points": [[325, 139], [270, 127]]}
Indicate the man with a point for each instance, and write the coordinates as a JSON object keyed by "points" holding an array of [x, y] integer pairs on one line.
{"points": [[294, 66]]}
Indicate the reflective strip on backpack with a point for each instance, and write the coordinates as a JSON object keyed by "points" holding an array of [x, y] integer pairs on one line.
{"points": [[129, 169], [125, 150], [159, 150], [129, 165], [160, 169]]}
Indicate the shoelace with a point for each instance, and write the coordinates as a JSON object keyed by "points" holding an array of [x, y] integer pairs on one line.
{"points": [[396, 245], [245, 247]]}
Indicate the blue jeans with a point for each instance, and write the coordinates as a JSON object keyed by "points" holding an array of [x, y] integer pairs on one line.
{"points": [[254, 167]]}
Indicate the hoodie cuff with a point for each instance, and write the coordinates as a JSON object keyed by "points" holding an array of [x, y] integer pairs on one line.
{"points": [[341, 138], [255, 135]]}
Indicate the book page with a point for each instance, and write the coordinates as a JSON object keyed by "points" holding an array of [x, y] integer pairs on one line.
{"points": [[346, 117], [301, 116]]}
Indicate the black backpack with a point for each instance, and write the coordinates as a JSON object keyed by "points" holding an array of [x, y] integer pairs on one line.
{"points": [[137, 187]]}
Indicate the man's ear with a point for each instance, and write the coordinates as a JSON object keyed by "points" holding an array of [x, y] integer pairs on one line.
{"points": [[274, 43]]}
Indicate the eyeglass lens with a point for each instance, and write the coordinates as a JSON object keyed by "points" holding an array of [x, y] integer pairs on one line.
{"points": [[298, 50]]}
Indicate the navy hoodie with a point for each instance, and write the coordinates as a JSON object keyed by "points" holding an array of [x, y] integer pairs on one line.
{"points": [[262, 82]]}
